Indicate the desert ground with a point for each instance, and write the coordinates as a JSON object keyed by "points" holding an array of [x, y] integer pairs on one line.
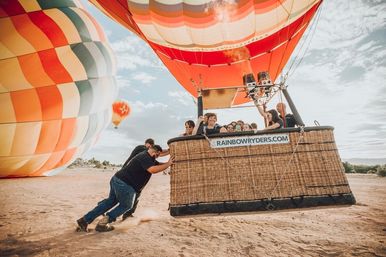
{"points": [[38, 218]]}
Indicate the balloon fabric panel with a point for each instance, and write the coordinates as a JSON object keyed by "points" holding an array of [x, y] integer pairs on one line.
{"points": [[56, 85]]}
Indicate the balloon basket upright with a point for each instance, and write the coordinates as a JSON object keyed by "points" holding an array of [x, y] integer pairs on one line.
{"points": [[247, 172]]}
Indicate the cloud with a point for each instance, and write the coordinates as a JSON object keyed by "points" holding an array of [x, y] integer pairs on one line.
{"points": [[133, 53], [113, 145], [153, 119], [144, 77], [182, 97]]}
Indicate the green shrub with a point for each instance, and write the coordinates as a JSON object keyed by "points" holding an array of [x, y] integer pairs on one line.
{"points": [[348, 168], [381, 170]]}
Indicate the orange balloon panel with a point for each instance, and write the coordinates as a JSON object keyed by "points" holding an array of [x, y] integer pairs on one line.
{"points": [[56, 85]]}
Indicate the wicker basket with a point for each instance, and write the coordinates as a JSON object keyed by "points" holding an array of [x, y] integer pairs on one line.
{"points": [[306, 171]]}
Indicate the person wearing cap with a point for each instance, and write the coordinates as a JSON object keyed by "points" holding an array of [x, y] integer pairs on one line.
{"points": [[124, 186]]}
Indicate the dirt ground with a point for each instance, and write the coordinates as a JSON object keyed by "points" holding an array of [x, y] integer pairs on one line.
{"points": [[38, 218]]}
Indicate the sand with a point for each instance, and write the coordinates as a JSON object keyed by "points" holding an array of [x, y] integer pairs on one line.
{"points": [[37, 218]]}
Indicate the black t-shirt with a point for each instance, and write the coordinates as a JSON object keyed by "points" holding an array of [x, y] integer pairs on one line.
{"points": [[214, 130], [138, 149], [200, 129], [135, 172], [290, 121], [279, 121]]}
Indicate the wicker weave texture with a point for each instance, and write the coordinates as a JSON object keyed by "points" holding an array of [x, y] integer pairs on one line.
{"points": [[308, 166]]}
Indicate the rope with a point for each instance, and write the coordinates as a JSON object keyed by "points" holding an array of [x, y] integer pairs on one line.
{"points": [[218, 153], [228, 166], [288, 164], [312, 31]]}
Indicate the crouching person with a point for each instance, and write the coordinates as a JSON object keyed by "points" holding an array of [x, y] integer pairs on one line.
{"points": [[124, 186]]}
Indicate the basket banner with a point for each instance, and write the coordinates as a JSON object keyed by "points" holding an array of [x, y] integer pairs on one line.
{"points": [[250, 140]]}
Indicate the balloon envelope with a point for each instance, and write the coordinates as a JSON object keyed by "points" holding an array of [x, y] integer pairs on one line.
{"points": [[56, 85], [121, 110], [214, 43]]}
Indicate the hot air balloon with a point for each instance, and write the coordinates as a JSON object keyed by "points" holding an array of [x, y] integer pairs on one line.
{"points": [[56, 85], [121, 110], [212, 44], [227, 53]]}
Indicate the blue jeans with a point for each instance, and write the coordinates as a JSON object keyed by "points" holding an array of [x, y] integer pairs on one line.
{"points": [[121, 193]]}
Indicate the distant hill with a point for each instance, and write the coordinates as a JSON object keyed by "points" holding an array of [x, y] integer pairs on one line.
{"points": [[366, 161]]}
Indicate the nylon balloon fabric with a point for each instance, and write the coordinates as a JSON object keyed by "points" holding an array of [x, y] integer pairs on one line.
{"points": [[56, 85], [121, 110], [213, 43]]}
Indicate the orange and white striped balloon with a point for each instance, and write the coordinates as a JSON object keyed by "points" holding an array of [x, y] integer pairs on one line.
{"points": [[56, 85]]}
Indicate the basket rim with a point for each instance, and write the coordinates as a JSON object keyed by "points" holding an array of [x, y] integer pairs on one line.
{"points": [[249, 133]]}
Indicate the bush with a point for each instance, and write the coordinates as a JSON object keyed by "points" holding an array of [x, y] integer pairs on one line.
{"points": [[348, 168], [381, 170], [372, 172]]}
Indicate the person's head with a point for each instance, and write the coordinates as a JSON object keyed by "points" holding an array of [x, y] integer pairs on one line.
{"points": [[149, 142], [247, 127], [189, 126], [273, 116], [240, 122], [280, 107], [230, 128], [206, 116], [233, 123], [254, 125], [212, 119], [155, 151]]}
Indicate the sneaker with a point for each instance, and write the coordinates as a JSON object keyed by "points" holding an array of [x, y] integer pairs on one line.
{"points": [[82, 225], [105, 228], [127, 215], [104, 221]]}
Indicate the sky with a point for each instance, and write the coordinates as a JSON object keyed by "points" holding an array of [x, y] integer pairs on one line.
{"points": [[339, 80]]}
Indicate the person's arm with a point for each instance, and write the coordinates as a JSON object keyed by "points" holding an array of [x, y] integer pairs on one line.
{"points": [[164, 153], [273, 126], [262, 112], [199, 121], [158, 168]]}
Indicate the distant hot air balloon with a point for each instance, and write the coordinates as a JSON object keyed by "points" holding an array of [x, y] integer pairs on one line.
{"points": [[56, 85], [121, 110], [211, 44]]}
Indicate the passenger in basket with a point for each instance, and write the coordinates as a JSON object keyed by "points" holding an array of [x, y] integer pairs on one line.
{"points": [[212, 127], [274, 122], [230, 128], [254, 127], [201, 122], [247, 127], [289, 119], [271, 117], [189, 126]]}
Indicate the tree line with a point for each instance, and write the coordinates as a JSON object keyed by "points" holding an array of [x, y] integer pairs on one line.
{"points": [[380, 170]]}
